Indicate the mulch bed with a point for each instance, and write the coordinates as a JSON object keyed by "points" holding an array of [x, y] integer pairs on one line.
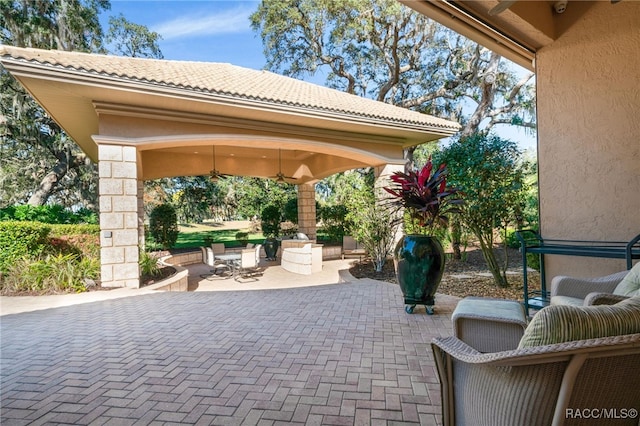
{"points": [[472, 264], [163, 273]]}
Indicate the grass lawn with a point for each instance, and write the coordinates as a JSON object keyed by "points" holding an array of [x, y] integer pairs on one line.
{"points": [[193, 235]]}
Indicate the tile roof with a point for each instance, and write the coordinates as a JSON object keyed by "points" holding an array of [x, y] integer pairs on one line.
{"points": [[221, 79]]}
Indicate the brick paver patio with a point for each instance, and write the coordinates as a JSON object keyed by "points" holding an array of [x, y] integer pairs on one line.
{"points": [[343, 354]]}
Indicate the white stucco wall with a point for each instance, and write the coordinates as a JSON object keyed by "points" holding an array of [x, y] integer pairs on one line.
{"points": [[588, 84]]}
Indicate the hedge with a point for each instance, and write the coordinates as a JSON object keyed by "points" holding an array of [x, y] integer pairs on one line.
{"points": [[21, 239]]}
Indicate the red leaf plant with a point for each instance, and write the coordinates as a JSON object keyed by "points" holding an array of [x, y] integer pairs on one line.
{"points": [[425, 196]]}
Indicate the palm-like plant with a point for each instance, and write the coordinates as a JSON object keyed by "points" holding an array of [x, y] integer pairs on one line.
{"points": [[425, 196]]}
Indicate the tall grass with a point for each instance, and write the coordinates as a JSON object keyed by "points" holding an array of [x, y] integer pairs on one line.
{"points": [[50, 274]]}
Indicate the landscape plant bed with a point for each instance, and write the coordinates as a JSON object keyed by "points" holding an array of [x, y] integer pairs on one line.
{"points": [[472, 284], [163, 273]]}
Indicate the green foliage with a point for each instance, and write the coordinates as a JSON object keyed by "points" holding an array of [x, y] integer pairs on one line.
{"points": [[376, 231], [290, 210], [21, 239], [39, 163], [130, 39], [148, 264], [43, 258], [425, 196], [242, 237], [54, 213], [490, 172], [51, 274], [80, 239], [163, 225], [387, 51], [271, 217], [333, 219], [533, 259]]}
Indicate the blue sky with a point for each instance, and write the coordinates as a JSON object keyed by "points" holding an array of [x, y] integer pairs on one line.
{"points": [[211, 31], [219, 31]]}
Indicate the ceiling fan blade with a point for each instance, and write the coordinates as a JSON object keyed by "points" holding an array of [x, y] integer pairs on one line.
{"points": [[501, 7], [215, 175], [281, 178]]}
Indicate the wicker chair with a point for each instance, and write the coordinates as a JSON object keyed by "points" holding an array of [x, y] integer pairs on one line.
{"points": [[544, 384], [605, 290], [541, 385]]}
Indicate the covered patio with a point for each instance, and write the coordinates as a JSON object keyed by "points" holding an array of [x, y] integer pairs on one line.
{"points": [[143, 119]]}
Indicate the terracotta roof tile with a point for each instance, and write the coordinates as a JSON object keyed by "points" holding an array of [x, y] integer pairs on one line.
{"points": [[223, 79]]}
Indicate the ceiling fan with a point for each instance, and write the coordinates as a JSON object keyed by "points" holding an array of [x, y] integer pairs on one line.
{"points": [[214, 174], [280, 177]]}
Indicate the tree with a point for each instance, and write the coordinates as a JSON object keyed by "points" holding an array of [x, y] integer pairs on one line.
{"points": [[490, 173], [133, 40], [367, 221], [163, 225], [50, 165], [386, 51], [56, 164]]}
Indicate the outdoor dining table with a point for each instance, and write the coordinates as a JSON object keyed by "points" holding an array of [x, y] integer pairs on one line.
{"points": [[230, 259]]}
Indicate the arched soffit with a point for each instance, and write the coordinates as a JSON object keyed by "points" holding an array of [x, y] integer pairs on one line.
{"points": [[307, 160]]}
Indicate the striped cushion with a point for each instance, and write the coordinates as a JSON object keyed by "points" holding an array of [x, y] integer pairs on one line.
{"points": [[559, 323]]}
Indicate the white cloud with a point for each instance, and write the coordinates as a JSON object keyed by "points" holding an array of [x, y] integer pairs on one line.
{"points": [[216, 23]]}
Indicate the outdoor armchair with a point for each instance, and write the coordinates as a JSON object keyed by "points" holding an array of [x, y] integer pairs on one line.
{"points": [[609, 289], [571, 360]]}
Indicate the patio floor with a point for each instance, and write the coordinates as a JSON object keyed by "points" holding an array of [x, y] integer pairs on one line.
{"points": [[332, 354]]}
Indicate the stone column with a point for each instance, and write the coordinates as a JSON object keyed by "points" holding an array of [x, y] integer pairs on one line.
{"points": [[307, 210], [141, 236], [383, 174], [119, 209]]}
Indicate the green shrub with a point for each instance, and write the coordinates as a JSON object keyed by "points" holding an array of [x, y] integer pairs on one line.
{"points": [[54, 214], [511, 240], [270, 217], [148, 264], [163, 225], [50, 274], [333, 220], [21, 239], [81, 239], [242, 237]]}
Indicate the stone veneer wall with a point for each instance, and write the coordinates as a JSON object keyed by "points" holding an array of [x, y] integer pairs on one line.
{"points": [[119, 218], [307, 210]]}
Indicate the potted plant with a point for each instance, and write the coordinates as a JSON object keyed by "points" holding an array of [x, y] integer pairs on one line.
{"points": [[419, 258], [270, 223]]}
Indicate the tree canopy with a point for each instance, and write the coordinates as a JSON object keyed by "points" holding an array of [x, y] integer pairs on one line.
{"points": [[490, 172], [39, 162], [386, 51]]}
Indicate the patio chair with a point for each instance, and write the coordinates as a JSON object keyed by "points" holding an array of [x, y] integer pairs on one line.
{"points": [[208, 258], [605, 290], [218, 248], [569, 361], [248, 264]]}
